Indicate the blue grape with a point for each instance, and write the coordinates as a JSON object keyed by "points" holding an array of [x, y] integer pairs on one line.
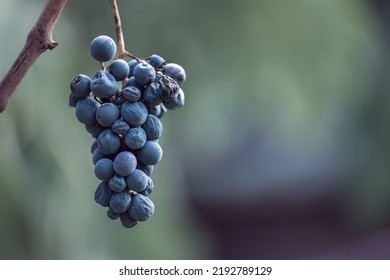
{"points": [[94, 129], [153, 127], [107, 114], [176, 102], [73, 99], [117, 100], [104, 169], [134, 113], [132, 63], [175, 71], [131, 82], [135, 138], [103, 84], [141, 207], [144, 73], [117, 183], [96, 155], [125, 163], [126, 125], [131, 94], [137, 181], [156, 60], [112, 215], [152, 94], [127, 221], [108, 142], [120, 127], [120, 202], [119, 68], [147, 169], [169, 87], [149, 187], [157, 111], [103, 48], [80, 86], [103, 194], [150, 153], [94, 146], [86, 110]]}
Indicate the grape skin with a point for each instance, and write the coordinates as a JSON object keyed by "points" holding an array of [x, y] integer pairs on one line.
{"points": [[94, 129], [104, 169], [80, 86], [152, 94], [137, 181], [125, 163], [150, 153], [132, 63], [153, 127], [107, 114], [175, 71], [144, 73], [73, 99], [147, 169], [119, 68], [103, 194], [108, 142], [135, 138], [120, 202], [102, 48], [131, 82], [155, 60], [103, 84], [131, 93], [135, 113], [141, 208], [149, 187], [86, 110], [120, 127], [112, 215], [96, 155], [117, 183], [175, 102], [127, 221]]}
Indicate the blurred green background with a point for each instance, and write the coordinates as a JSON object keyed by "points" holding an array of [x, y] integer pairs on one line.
{"points": [[280, 152]]}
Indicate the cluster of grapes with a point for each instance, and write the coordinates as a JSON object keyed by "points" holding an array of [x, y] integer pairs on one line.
{"points": [[125, 122]]}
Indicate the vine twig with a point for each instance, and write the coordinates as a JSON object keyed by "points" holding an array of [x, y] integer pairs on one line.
{"points": [[119, 33], [118, 29], [38, 41]]}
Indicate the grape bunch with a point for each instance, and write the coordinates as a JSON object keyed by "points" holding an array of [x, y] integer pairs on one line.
{"points": [[121, 106]]}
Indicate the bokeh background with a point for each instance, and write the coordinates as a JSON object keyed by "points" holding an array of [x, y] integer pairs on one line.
{"points": [[280, 152]]}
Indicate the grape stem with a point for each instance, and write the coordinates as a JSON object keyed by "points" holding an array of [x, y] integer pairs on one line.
{"points": [[122, 53], [39, 39]]}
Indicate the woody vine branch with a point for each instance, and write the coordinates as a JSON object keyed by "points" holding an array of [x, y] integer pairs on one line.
{"points": [[40, 39]]}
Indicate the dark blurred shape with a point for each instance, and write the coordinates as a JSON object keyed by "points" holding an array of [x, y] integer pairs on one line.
{"points": [[288, 225], [304, 218]]}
